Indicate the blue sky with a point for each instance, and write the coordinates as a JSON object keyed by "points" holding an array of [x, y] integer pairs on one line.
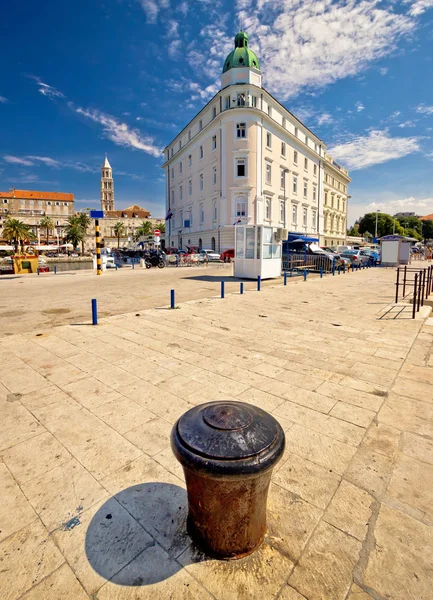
{"points": [[84, 78]]}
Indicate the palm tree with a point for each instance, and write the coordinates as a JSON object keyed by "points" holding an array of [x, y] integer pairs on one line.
{"points": [[17, 232], [119, 230], [48, 224], [161, 227], [83, 221], [74, 232], [145, 228]]}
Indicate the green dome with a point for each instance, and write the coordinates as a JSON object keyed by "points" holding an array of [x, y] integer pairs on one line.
{"points": [[241, 56]]}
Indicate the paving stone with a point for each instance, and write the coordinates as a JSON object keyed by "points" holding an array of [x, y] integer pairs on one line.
{"points": [[91, 392], [382, 438], [61, 494], [261, 399], [309, 399], [370, 470], [340, 391], [324, 571], [153, 575], [407, 415], [102, 540], [291, 521], [15, 510], [418, 447], [412, 484], [115, 377], [315, 484], [123, 414], [34, 457], [288, 593], [17, 424], [353, 414], [259, 575], [320, 449], [400, 565], [357, 593], [23, 381], [151, 437], [156, 400], [60, 585], [64, 374], [26, 558], [413, 389], [350, 510], [40, 398]]}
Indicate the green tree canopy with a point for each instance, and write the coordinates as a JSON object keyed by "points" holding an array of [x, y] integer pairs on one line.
{"points": [[47, 223], [386, 225], [17, 232], [145, 228], [74, 232], [119, 231], [427, 230], [412, 223], [161, 227]]}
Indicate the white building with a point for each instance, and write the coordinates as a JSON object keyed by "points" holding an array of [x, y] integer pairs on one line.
{"points": [[336, 180], [243, 159]]}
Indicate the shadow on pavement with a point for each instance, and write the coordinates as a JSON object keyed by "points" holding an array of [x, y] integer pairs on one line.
{"points": [[118, 544]]}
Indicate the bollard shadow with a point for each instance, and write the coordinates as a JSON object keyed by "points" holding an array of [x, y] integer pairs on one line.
{"points": [[118, 545], [217, 278]]}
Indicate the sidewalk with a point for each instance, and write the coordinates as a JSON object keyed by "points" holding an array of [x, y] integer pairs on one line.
{"points": [[94, 503]]}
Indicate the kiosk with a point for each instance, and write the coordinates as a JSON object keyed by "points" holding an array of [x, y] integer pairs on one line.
{"points": [[258, 251], [395, 250]]}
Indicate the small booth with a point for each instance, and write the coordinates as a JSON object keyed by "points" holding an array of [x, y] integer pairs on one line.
{"points": [[258, 251], [395, 250]]}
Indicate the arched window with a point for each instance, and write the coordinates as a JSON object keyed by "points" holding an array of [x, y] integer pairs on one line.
{"points": [[213, 243], [180, 242], [200, 243]]}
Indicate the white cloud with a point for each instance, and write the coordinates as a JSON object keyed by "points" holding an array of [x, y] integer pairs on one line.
{"points": [[16, 160], [407, 124], [419, 7], [3, 100], [174, 41], [325, 119], [47, 90], [46, 160], [183, 8], [359, 107], [424, 110], [152, 9], [120, 133], [383, 70], [374, 148], [312, 43]]}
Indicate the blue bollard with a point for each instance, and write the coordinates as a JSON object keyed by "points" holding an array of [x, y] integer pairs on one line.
{"points": [[117, 266], [344, 268], [305, 274], [285, 277], [241, 288], [291, 271], [39, 272], [321, 272], [338, 269], [171, 298], [222, 289], [259, 280], [55, 270], [94, 312], [333, 266]]}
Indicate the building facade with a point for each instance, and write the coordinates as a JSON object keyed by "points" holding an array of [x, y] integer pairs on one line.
{"points": [[335, 199], [243, 159], [30, 206]]}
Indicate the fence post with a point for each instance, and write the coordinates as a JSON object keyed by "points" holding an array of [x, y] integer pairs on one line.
{"points": [[222, 289], [241, 287], [172, 302], [333, 266], [414, 295], [259, 280], [419, 291], [396, 285], [94, 312], [404, 281], [321, 272], [423, 286], [133, 264], [285, 277]]}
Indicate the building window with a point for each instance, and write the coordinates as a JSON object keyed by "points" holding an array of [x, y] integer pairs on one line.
{"points": [[200, 243], [269, 110], [214, 176], [49, 203], [212, 243], [284, 123], [343, 208], [241, 208], [241, 167], [180, 144], [180, 193], [268, 209], [189, 160], [65, 204], [295, 157], [180, 167], [190, 187], [306, 164], [189, 135], [305, 189], [254, 101], [240, 100], [172, 175], [282, 179], [315, 169], [268, 173], [326, 198], [314, 193], [296, 132], [294, 215], [5, 201], [227, 101], [201, 214], [282, 212], [214, 112], [215, 211], [201, 182], [241, 130], [316, 148], [295, 184], [200, 125], [304, 217], [268, 140], [283, 149], [181, 220], [214, 142], [314, 219], [201, 153], [172, 196], [171, 154]]}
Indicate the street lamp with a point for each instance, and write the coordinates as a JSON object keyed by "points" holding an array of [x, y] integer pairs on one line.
{"points": [[284, 193], [375, 232]]}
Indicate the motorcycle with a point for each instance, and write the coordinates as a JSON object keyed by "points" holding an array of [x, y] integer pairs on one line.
{"points": [[154, 260]]}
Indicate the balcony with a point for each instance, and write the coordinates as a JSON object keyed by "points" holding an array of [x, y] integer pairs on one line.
{"points": [[31, 212]]}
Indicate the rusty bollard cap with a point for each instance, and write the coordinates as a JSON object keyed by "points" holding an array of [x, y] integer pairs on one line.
{"points": [[227, 438]]}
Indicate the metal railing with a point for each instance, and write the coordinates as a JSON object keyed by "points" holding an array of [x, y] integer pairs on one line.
{"points": [[419, 288], [313, 262]]}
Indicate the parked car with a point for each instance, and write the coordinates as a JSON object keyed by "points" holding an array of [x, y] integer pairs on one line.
{"points": [[228, 255], [356, 257], [373, 255], [210, 255]]}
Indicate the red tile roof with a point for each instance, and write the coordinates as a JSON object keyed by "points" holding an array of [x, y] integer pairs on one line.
{"points": [[36, 194], [427, 218], [131, 212]]}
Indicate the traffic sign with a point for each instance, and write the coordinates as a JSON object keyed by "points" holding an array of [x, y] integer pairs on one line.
{"points": [[156, 232], [156, 240], [96, 214]]}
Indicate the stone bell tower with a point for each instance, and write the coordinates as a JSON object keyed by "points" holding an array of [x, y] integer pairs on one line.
{"points": [[107, 186]]}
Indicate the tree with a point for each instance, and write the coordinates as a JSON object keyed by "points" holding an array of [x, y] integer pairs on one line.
{"points": [[413, 233], [17, 232], [411, 223], [145, 228], [161, 227], [48, 224], [83, 221], [427, 230], [353, 232], [386, 225], [74, 232], [119, 230]]}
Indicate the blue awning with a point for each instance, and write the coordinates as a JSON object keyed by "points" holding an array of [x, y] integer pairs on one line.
{"points": [[292, 237]]}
